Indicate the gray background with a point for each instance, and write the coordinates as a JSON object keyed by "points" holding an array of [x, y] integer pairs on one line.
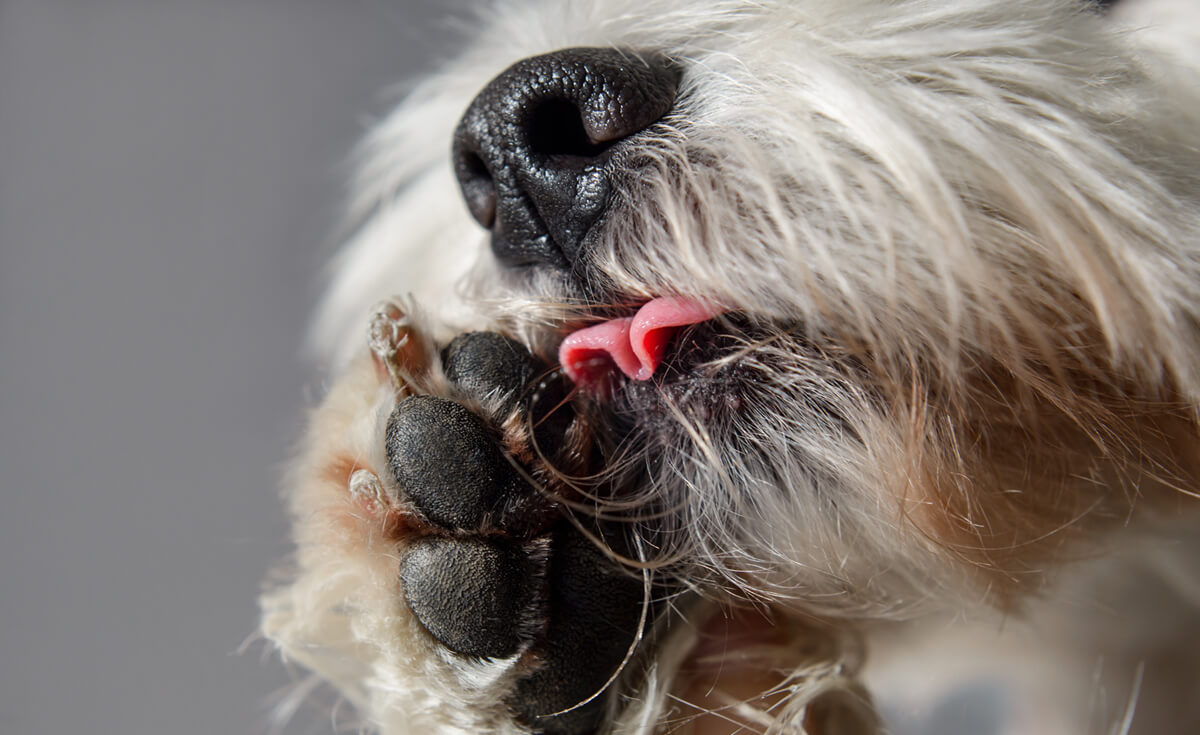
{"points": [[170, 174]]}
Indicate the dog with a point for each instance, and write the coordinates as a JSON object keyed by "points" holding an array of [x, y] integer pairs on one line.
{"points": [[766, 366]]}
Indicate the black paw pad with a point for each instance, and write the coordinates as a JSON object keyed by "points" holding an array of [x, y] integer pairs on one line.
{"points": [[489, 365], [594, 613], [469, 594], [443, 457]]}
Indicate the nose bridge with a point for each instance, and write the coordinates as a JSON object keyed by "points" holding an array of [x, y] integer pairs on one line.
{"points": [[533, 151]]}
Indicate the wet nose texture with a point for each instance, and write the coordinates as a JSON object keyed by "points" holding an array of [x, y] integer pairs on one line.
{"points": [[534, 152]]}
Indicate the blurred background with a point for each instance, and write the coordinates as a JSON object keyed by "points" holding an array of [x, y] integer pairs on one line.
{"points": [[171, 173]]}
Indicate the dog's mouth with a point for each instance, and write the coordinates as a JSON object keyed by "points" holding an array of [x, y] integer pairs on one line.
{"points": [[634, 346]]}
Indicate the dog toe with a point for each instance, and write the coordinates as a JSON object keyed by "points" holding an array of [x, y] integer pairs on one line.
{"points": [[446, 461], [490, 366], [468, 593]]}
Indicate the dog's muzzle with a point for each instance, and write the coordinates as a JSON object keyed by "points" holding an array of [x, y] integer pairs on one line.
{"points": [[535, 151]]}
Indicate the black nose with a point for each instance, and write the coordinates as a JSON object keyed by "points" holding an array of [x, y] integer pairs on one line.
{"points": [[534, 151]]}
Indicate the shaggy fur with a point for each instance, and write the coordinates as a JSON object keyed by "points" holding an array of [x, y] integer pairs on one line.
{"points": [[959, 243]]}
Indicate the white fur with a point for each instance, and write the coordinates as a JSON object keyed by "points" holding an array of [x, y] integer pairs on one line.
{"points": [[956, 190]]}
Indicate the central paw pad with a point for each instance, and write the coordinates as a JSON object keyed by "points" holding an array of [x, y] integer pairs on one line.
{"points": [[501, 571]]}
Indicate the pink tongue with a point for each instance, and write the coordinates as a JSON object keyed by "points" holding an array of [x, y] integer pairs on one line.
{"points": [[634, 344]]}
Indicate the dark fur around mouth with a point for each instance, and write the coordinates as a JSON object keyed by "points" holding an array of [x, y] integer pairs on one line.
{"points": [[717, 374], [700, 378]]}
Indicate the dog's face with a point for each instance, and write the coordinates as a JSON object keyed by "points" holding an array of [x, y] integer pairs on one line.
{"points": [[847, 310]]}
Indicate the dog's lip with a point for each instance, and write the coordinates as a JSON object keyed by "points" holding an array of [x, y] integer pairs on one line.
{"points": [[633, 344]]}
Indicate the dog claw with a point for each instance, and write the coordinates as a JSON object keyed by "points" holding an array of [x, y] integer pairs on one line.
{"points": [[366, 486], [395, 347]]}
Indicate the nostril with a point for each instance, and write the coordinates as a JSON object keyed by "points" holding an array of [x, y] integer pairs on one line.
{"points": [[556, 128], [536, 152], [478, 188]]}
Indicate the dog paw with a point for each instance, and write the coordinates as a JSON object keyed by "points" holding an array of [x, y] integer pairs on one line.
{"points": [[495, 567]]}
